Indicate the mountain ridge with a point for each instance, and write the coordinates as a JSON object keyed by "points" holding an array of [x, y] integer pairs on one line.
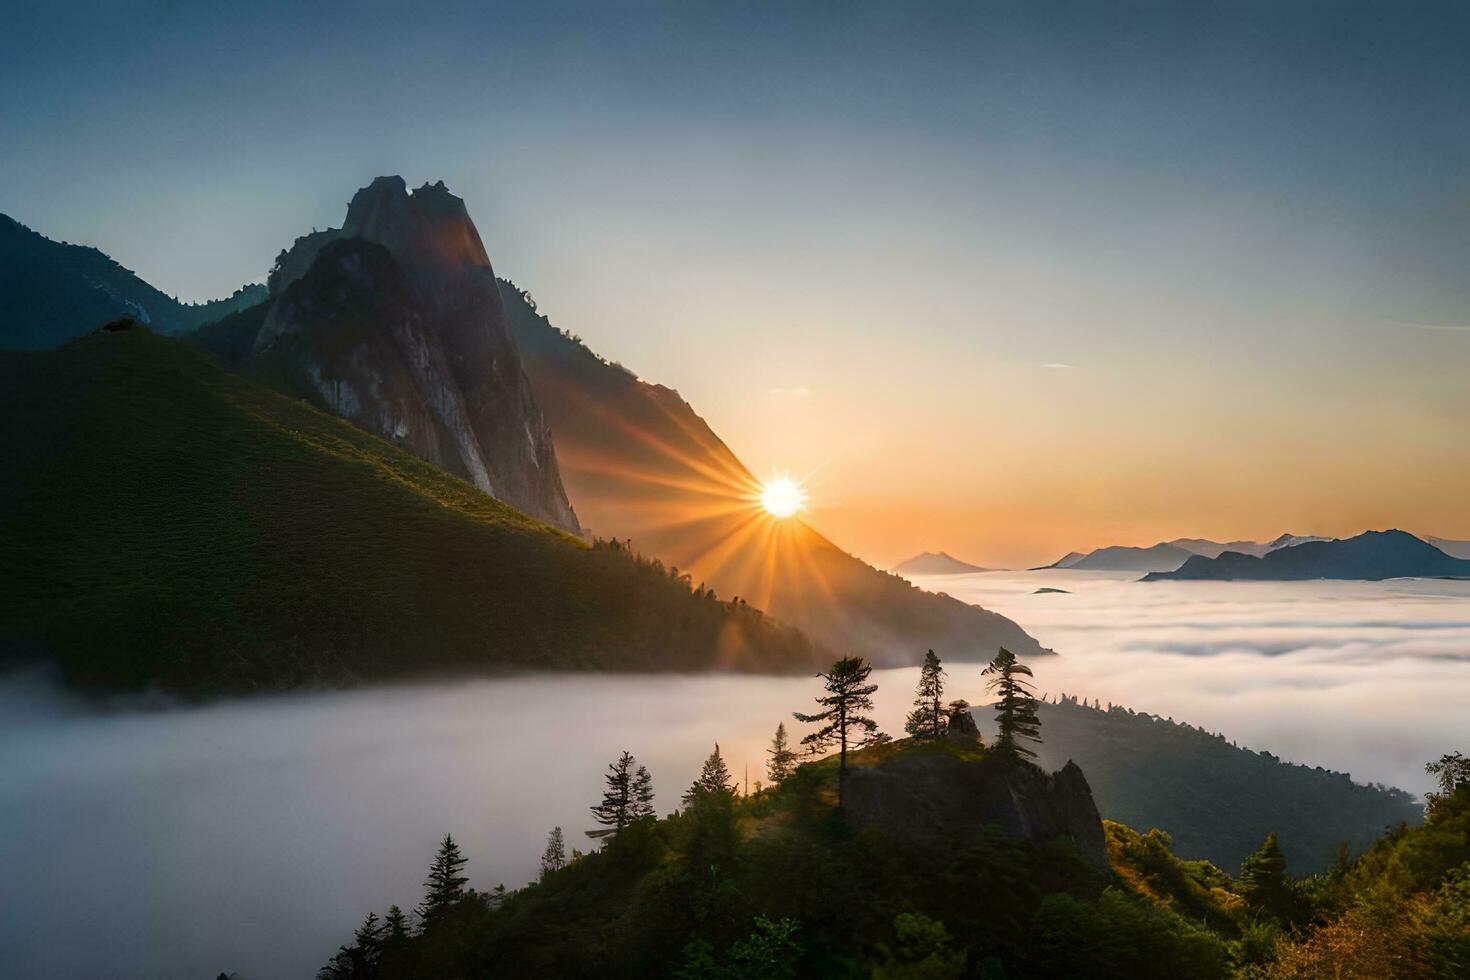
{"points": [[936, 563], [1370, 556], [53, 291]]}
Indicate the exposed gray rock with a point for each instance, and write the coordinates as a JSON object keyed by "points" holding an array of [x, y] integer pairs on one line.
{"points": [[925, 794], [395, 322]]}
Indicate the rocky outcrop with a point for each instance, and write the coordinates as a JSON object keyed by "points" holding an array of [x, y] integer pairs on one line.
{"points": [[395, 322], [960, 725], [928, 794]]}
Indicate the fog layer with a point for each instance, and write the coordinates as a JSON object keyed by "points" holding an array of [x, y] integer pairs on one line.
{"points": [[252, 836]]}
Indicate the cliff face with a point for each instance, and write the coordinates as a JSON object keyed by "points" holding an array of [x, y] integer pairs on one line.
{"points": [[920, 794], [395, 323]]}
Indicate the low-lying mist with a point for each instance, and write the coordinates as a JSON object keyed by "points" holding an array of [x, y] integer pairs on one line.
{"points": [[252, 836]]}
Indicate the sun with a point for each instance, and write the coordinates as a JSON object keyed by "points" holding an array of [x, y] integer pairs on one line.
{"points": [[782, 497]]}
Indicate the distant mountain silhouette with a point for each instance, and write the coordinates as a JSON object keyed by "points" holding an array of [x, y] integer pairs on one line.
{"points": [[1066, 561], [1372, 555], [1214, 549], [1120, 558], [1166, 556], [641, 464], [935, 563], [52, 291]]}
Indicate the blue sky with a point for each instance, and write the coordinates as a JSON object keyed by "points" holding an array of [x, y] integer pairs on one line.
{"points": [[834, 226]]}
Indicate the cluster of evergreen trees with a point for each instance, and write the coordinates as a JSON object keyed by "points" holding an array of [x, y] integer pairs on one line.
{"points": [[843, 721], [776, 884]]}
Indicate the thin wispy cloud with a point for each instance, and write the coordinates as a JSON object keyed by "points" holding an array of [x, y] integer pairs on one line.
{"points": [[1058, 366]]}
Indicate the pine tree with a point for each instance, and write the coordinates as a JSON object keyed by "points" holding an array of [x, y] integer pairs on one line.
{"points": [[783, 760], [619, 803], [643, 795], [554, 858], [714, 778], [1263, 879], [445, 885], [848, 695], [395, 924], [926, 721], [1015, 703], [369, 939]]}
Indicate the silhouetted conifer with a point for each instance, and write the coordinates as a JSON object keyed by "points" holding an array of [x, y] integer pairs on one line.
{"points": [[445, 885], [926, 721], [848, 695], [714, 777], [395, 924], [643, 794], [783, 760], [1015, 703], [554, 858], [619, 801]]}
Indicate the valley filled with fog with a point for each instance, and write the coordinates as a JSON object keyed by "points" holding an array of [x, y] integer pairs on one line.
{"points": [[252, 836]]}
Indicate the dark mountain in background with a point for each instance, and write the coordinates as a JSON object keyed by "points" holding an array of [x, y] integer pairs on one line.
{"points": [[51, 292], [1214, 549], [1217, 800], [167, 524], [936, 563], [641, 464], [395, 323], [1125, 559], [1166, 556], [1372, 555], [1066, 561]]}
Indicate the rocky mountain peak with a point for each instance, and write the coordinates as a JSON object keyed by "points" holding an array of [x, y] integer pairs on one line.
{"points": [[395, 322], [428, 226]]}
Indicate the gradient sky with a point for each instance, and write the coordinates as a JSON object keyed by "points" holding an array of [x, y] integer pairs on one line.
{"points": [[1006, 279]]}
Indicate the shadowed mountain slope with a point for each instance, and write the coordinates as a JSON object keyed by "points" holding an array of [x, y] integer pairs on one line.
{"points": [[52, 291], [166, 523], [1217, 800], [641, 464]]}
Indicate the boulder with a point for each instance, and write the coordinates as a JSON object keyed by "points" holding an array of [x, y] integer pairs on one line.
{"points": [[961, 726], [933, 794]]}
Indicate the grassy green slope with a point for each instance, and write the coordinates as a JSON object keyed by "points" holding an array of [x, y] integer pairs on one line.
{"points": [[165, 522]]}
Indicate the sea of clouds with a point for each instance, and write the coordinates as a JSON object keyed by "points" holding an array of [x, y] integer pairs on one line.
{"points": [[251, 836]]}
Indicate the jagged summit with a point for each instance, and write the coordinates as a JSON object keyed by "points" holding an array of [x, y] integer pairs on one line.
{"points": [[412, 341], [429, 225]]}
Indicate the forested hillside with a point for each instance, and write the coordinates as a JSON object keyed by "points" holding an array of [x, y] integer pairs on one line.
{"points": [[166, 523], [1216, 800]]}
